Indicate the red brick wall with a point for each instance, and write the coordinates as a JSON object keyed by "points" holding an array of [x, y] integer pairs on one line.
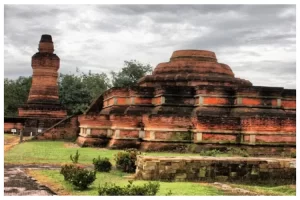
{"points": [[167, 122], [129, 133], [218, 138], [275, 139], [288, 103], [125, 120], [42, 113], [65, 130], [214, 101], [138, 100], [11, 125]]}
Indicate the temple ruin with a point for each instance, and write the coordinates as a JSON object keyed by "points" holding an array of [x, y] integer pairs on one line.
{"points": [[189, 103], [43, 109], [192, 100]]}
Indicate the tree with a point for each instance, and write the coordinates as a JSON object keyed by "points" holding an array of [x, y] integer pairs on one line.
{"points": [[96, 83], [76, 92], [130, 74], [15, 94]]}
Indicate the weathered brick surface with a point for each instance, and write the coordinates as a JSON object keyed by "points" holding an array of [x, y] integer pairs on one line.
{"points": [[190, 168], [194, 99], [12, 125], [43, 100], [65, 129]]}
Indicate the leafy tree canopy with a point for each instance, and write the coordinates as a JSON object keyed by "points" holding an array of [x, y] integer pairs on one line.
{"points": [[130, 73], [15, 94]]}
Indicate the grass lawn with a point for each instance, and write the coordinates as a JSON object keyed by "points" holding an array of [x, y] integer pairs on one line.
{"points": [[56, 180], [57, 152]]}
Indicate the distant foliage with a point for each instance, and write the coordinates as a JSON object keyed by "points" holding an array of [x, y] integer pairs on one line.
{"points": [[148, 189], [75, 158], [130, 74], [125, 160], [15, 94], [77, 92], [102, 164]]}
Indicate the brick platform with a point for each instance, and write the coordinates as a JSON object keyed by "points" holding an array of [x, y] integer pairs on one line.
{"points": [[192, 168]]}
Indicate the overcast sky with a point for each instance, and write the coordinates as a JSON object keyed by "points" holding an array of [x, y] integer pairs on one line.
{"points": [[257, 41]]}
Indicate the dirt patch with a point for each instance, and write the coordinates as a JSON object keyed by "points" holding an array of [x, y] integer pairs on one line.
{"points": [[10, 143], [70, 145], [229, 190]]}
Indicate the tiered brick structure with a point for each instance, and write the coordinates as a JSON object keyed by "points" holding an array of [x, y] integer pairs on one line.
{"points": [[192, 101], [43, 108]]}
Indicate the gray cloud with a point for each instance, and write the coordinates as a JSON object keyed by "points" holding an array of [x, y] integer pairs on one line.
{"points": [[257, 41]]}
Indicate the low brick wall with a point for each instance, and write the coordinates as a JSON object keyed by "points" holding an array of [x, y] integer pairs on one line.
{"points": [[192, 168]]}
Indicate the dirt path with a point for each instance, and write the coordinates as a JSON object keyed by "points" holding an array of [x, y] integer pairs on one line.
{"points": [[18, 183], [233, 190], [10, 142]]}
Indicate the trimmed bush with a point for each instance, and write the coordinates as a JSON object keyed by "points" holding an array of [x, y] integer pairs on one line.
{"points": [[148, 189], [67, 171], [82, 178], [125, 161], [79, 177], [102, 164]]}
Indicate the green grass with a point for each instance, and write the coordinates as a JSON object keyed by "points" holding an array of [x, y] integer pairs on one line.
{"points": [[177, 188], [269, 189], [55, 152]]}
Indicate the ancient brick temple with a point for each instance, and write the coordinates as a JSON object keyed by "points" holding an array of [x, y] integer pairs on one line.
{"points": [[192, 101], [43, 108]]}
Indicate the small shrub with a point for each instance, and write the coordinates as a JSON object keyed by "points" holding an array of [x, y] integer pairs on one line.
{"points": [[79, 177], [237, 151], [125, 161], [75, 158], [148, 189], [169, 193], [102, 164], [82, 178], [293, 155], [67, 171], [212, 152]]}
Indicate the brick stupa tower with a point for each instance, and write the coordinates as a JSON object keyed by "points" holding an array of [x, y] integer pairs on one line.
{"points": [[43, 108]]}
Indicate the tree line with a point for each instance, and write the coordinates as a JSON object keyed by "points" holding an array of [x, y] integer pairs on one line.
{"points": [[76, 91]]}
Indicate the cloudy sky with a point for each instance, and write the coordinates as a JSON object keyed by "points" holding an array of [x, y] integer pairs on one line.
{"points": [[257, 41]]}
